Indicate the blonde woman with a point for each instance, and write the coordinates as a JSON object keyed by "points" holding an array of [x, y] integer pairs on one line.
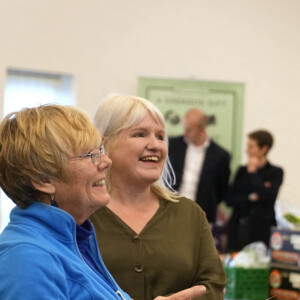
{"points": [[152, 241]]}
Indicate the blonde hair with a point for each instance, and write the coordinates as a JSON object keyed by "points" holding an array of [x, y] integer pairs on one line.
{"points": [[35, 144], [118, 112]]}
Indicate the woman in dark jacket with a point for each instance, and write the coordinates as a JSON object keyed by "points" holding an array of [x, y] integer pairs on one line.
{"points": [[253, 194]]}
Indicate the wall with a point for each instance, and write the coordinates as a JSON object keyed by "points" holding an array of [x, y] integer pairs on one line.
{"points": [[107, 45]]}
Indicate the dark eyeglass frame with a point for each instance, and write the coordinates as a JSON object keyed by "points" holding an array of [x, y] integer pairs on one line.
{"points": [[95, 157]]}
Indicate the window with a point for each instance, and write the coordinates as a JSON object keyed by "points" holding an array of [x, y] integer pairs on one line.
{"points": [[28, 89]]}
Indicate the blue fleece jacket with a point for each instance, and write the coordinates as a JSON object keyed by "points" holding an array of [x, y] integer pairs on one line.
{"points": [[40, 259]]}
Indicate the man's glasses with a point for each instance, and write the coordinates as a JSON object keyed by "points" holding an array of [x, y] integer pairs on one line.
{"points": [[95, 155]]}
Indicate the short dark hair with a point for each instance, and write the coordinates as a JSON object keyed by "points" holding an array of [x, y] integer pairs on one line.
{"points": [[263, 138]]}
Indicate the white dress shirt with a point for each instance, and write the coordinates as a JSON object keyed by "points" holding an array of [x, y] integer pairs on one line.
{"points": [[193, 165]]}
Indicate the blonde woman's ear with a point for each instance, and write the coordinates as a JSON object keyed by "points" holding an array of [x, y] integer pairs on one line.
{"points": [[44, 186]]}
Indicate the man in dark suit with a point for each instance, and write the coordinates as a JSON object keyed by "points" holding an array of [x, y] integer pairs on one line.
{"points": [[201, 166]]}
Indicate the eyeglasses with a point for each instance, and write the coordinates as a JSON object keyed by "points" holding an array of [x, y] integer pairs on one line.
{"points": [[95, 155]]}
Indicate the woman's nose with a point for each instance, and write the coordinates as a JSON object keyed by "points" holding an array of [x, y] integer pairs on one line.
{"points": [[105, 162], [152, 142]]}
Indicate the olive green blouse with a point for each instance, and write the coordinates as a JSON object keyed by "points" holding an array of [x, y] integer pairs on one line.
{"points": [[174, 251]]}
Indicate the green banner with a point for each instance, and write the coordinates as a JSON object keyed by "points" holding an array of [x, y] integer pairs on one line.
{"points": [[221, 102]]}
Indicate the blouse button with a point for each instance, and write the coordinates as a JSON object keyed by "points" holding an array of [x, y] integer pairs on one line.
{"points": [[139, 268], [136, 239]]}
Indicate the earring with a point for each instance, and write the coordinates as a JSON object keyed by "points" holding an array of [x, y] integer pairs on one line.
{"points": [[53, 202]]}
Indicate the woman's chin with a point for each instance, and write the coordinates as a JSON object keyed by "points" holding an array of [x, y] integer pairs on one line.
{"points": [[103, 201]]}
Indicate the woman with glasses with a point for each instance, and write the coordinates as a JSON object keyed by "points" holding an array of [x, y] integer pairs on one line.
{"points": [[152, 241], [52, 168]]}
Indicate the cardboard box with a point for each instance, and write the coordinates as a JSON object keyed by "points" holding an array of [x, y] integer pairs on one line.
{"points": [[285, 246], [284, 282]]}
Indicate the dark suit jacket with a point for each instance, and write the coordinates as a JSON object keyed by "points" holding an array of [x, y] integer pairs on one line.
{"points": [[213, 183]]}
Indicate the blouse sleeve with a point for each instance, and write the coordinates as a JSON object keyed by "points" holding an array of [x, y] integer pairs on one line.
{"points": [[209, 271]]}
